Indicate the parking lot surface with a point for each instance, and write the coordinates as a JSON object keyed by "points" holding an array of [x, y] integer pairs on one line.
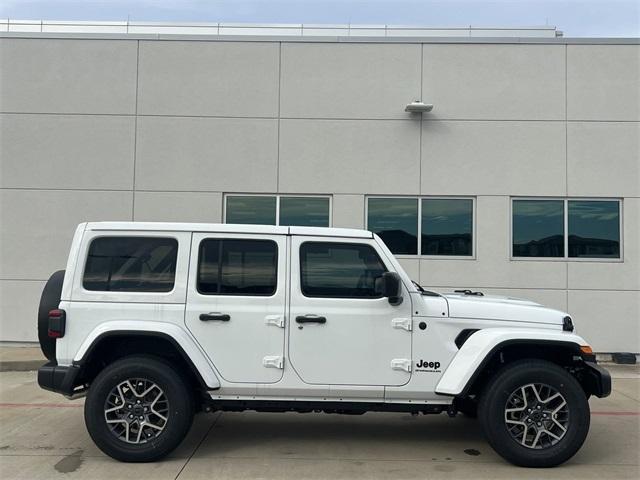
{"points": [[42, 436]]}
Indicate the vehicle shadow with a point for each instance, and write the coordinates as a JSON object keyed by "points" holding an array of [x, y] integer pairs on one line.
{"points": [[344, 436]]}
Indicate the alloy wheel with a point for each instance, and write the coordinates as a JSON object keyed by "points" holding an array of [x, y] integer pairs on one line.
{"points": [[136, 410], [536, 416]]}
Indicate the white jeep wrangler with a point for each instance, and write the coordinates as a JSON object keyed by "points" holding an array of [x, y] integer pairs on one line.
{"points": [[156, 321]]}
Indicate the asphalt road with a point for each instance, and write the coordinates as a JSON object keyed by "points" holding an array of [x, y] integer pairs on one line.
{"points": [[42, 436]]}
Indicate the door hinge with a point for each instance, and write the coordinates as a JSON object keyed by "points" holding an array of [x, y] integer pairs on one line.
{"points": [[404, 323], [273, 361], [401, 364], [276, 320]]}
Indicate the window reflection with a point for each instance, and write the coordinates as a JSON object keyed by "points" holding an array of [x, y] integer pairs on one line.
{"points": [[594, 229], [447, 226], [237, 267], [538, 228], [340, 270], [304, 211], [131, 264], [257, 210], [395, 220]]}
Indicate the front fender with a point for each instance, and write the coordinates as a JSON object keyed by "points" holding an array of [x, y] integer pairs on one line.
{"points": [[170, 331], [481, 345]]}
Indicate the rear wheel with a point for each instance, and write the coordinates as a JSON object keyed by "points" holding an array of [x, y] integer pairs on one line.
{"points": [[138, 409], [534, 414]]}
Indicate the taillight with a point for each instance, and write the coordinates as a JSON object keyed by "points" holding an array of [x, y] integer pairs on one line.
{"points": [[57, 321]]}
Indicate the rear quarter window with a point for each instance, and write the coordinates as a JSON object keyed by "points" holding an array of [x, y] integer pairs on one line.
{"points": [[131, 264]]}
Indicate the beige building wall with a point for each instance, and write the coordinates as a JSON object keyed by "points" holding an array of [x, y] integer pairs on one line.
{"points": [[137, 129]]}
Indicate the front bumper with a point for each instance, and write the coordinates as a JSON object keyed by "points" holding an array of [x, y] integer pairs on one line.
{"points": [[597, 379], [59, 379]]}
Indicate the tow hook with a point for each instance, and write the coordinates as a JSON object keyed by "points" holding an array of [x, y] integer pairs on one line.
{"points": [[452, 411]]}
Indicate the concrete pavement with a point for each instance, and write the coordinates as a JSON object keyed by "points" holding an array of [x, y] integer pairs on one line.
{"points": [[42, 436]]}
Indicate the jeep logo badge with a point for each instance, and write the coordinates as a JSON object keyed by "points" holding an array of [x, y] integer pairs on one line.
{"points": [[424, 366]]}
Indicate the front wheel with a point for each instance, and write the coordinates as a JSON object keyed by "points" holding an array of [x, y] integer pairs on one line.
{"points": [[138, 409], [534, 414]]}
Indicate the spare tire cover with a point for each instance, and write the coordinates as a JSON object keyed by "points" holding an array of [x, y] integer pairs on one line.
{"points": [[49, 300]]}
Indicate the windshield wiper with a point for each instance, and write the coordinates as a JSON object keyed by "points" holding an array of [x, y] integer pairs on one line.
{"points": [[423, 291]]}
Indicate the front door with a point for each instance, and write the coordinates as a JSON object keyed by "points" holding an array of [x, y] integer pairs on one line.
{"points": [[342, 331], [236, 303]]}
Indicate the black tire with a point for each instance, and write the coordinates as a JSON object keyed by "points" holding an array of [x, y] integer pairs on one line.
{"points": [[49, 300], [179, 415], [493, 402]]}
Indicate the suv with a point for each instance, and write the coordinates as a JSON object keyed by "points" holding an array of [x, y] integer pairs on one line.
{"points": [[157, 321]]}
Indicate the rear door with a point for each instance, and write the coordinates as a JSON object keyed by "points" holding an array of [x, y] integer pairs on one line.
{"points": [[236, 303], [343, 332]]}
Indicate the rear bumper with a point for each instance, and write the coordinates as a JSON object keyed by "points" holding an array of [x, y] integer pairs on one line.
{"points": [[598, 380], [59, 379]]}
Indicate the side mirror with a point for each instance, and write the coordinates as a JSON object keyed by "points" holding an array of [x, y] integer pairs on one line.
{"points": [[392, 287]]}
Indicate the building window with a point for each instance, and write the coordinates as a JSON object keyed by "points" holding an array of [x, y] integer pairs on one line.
{"points": [[131, 264], [255, 209], [302, 210], [395, 220], [594, 229], [538, 228], [340, 270], [566, 228], [237, 267], [445, 225]]}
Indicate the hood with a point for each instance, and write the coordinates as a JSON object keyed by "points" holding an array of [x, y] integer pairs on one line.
{"points": [[493, 307]]}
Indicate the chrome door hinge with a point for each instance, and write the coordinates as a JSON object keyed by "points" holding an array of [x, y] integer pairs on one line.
{"points": [[401, 364], [404, 323], [273, 361], [276, 320]]}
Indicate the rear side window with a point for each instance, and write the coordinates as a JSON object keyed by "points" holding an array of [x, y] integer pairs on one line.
{"points": [[237, 267], [131, 264], [341, 270]]}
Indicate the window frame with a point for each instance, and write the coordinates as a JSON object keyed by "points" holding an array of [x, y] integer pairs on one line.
{"points": [[566, 258], [419, 198], [278, 196], [222, 240], [361, 244]]}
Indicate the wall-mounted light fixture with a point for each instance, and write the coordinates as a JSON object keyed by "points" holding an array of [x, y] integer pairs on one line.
{"points": [[418, 107]]}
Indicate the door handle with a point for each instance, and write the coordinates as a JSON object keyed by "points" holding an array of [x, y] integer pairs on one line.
{"points": [[220, 317], [310, 319]]}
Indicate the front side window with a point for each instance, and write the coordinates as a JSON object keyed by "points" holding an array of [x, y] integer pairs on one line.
{"points": [[594, 229], [304, 211], [538, 228], [237, 267], [131, 264], [340, 270]]}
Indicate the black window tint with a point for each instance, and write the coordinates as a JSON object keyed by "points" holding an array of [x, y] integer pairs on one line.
{"points": [[257, 210], [447, 226], [237, 267], [594, 229], [538, 228], [395, 220], [131, 264], [340, 270]]}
